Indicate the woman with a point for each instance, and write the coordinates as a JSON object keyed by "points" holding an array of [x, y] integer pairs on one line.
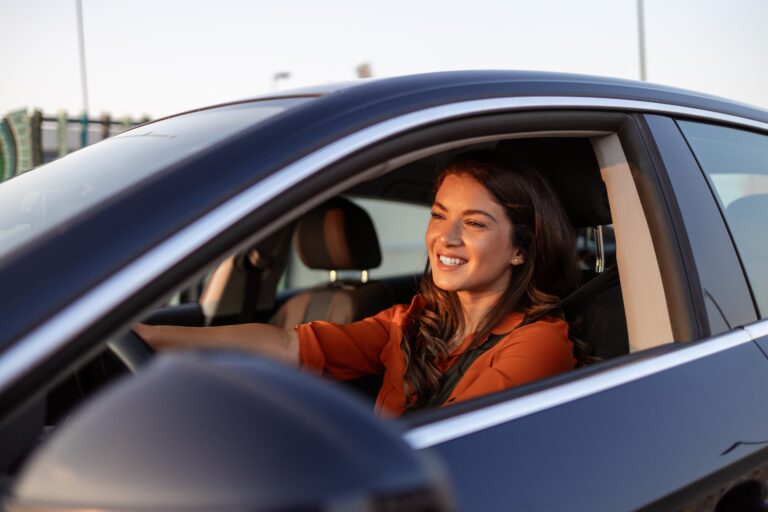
{"points": [[501, 252]]}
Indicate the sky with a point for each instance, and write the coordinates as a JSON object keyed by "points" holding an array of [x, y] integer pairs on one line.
{"points": [[157, 57]]}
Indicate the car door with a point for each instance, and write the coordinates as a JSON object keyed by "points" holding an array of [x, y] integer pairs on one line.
{"points": [[677, 426]]}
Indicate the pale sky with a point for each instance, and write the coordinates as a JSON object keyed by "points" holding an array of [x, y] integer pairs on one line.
{"points": [[163, 56]]}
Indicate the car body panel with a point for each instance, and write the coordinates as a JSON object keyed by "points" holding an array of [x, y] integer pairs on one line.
{"points": [[636, 446]]}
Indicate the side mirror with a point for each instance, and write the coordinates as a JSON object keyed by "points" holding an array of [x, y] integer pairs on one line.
{"points": [[222, 431]]}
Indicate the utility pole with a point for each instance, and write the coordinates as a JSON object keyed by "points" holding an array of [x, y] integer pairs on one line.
{"points": [[641, 38], [81, 41], [83, 75]]}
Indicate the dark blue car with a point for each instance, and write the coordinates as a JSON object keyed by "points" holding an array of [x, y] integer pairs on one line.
{"points": [[191, 220]]}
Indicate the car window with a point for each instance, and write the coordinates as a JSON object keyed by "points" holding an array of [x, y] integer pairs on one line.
{"points": [[400, 228], [44, 198], [736, 165]]}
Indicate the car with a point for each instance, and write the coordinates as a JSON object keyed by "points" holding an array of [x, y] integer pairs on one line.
{"points": [[191, 220]]}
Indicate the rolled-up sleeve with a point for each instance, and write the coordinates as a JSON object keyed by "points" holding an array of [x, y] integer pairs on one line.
{"points": [[345, 351]]}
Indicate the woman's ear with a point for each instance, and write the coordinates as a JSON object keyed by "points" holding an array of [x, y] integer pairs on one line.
{"points": [[518, 259]]}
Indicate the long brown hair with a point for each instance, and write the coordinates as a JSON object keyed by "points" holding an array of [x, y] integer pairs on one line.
{"points": [[543, 234]]}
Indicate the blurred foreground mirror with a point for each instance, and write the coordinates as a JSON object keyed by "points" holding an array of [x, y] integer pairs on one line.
{"points": [[224, 431]]}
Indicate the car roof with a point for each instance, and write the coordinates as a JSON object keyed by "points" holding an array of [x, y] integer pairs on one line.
{"points": [[443, 85]]}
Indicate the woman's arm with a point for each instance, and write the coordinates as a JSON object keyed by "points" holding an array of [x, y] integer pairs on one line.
{"points": [[275, 342]]}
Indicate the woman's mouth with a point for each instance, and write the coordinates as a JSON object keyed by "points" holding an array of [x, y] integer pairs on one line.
{"points": [[451, 262]]}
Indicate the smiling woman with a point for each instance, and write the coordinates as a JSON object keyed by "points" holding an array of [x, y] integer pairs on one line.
{"points": [[501, 253], [500, 250], [470, 248]]}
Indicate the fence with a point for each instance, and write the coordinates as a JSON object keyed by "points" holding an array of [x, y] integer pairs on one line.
{"points": [[29, 139]]}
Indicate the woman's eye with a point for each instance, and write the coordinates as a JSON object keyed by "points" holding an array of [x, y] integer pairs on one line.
{"points": [[436, 215], [475, 224]]}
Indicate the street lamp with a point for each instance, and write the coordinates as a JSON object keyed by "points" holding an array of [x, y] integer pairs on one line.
{"points": [[641, 38], [281, 75]]}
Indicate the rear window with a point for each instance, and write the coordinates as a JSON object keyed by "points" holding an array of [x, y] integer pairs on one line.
{"points": [[736, 164]]}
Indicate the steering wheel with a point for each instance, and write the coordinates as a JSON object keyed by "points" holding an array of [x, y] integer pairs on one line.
{"points": [[131, 349]]}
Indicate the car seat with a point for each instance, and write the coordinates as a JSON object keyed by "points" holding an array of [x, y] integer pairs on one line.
{"points": [[336, 236]]}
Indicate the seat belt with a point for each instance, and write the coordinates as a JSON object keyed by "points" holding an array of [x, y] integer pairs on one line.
{"points": [[451, 378]]}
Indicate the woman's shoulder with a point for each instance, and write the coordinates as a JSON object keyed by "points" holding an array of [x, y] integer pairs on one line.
{"points": [[545, 339], [513, 324], [400, 312]]}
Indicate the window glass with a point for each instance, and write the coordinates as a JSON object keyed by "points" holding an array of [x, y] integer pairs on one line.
{"points": [[42, 199], [400, 228], [736, 164]]}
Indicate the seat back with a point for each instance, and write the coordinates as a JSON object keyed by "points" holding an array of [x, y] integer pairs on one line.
{"points": [[336, 236], [597, 317]]}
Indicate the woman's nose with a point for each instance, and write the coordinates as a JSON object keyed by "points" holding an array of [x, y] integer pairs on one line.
{"points": [[451, 235]]}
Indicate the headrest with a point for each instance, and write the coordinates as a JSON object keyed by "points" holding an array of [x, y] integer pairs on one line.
{"points": [[572, 169], [337, 235]]}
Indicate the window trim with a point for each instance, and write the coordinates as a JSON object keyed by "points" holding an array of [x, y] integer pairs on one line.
{"points": [[454, 427]]}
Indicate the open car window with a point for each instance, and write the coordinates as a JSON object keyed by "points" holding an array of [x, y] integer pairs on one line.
{"points": [[615, 325]]}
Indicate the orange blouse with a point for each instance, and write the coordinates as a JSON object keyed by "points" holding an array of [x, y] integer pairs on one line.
{"points": [[372, 346]]}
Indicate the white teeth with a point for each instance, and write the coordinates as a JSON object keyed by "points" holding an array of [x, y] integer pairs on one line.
{"points": [[452, 262]]}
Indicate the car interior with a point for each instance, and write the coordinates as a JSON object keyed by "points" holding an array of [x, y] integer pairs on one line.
{"points": [[591, 176], [339, 239]]}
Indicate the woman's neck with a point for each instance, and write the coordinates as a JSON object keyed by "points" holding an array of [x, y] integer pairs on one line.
{"points": [[475, 308]]}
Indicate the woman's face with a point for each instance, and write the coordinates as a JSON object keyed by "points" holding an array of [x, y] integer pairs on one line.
{"points": [[469, 239]]}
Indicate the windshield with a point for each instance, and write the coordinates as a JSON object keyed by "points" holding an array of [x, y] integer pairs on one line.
{"points": [[34, 202]]}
